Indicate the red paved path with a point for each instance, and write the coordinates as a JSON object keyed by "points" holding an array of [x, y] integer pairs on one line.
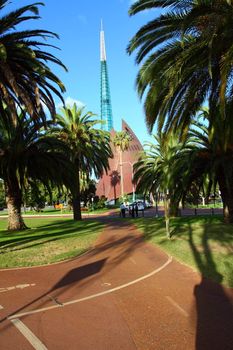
{"points": [[172, 309]]}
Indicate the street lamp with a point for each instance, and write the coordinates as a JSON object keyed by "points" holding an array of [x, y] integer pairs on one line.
{"points": [[131, 164]]}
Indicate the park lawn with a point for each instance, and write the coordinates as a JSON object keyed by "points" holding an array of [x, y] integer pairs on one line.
{"points": [[49, 240], [204, 243], [58, 212]]}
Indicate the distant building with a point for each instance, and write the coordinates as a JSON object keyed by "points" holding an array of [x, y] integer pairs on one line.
{"points": [[109, 184]]}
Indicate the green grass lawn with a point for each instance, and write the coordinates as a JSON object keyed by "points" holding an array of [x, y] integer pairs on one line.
{"points": [[49, 240], [52, 211], [204, 243]]}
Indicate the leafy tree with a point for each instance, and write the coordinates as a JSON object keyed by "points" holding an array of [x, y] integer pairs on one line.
{"points": [[25, 78], [34, 196], [121, 141], [89, 147], [29, 152], [88, 192]]}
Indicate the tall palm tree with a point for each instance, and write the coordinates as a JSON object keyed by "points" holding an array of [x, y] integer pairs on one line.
{"points": [[121, 141], [90, 147], [25, 78], [28, 152], [159, 169], [188, 57]]}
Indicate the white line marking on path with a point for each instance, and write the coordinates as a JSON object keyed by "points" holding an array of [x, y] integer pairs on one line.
{"points": [[19, 286], [177, 306], [33, 340], [106, 284], [97, 294], [133, 261]]}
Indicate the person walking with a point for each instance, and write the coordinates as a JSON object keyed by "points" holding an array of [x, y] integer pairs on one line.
{"points": [[132, 211], [136, 209], [122, 208]]}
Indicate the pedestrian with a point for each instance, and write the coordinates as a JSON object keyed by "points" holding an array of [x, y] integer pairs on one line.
{"points": [[136, 209], [132, 211], [122, 208]]}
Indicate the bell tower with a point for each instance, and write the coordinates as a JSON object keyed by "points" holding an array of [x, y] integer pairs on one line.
{"points": [[105, 98]]}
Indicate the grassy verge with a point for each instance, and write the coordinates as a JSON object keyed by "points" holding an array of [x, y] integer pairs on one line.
{"points": [[49, 240], [204, 243]]}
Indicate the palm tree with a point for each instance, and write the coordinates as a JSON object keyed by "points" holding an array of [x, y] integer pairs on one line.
{"points": [[213, 155], [188, 58], [90, 147], [25, 78], [27, 153], [159, 169], [121, 141], [114, 181]]}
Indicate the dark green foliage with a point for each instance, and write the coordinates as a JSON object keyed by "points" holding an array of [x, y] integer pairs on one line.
{"points": [[25, 77], [30, 153], [186, 55]]}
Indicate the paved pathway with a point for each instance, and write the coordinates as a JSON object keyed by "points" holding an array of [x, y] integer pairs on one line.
{"points": [[123, 294]]}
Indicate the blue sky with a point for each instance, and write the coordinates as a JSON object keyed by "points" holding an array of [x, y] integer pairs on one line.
{"points": [[78, 24]]}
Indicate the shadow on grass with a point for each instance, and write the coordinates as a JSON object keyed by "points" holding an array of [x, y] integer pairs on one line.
{"points": [[45, 233]]}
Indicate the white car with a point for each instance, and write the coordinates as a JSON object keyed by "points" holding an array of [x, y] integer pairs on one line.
{"points": [[140, 204]]}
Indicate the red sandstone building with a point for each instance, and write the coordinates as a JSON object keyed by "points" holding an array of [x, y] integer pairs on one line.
{"points": [[110, 183]]}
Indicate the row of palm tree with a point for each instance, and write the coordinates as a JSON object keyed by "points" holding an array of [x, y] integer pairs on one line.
{"points": [[55, 150], [66, 151], [186, 61]]}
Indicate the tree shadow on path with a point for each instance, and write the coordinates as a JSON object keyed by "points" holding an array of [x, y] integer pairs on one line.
{"points": [[116, 249], [214, 305]]}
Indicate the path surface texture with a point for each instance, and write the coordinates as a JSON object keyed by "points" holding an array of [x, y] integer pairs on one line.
{"points": [[123, 294]]}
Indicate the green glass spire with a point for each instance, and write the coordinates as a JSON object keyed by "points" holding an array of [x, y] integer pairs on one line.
{"points": [[105, 98]]}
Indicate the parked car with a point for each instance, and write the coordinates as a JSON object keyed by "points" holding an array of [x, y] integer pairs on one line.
{"points": [[141, 204], [148, 204]]}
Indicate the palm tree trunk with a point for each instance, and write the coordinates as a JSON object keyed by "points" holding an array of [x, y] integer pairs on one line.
{"points": [[114, 189], [174, 208], [77, 208], [76, 201], [167, 215], [14, 201], [122, 176], [227, 198]]}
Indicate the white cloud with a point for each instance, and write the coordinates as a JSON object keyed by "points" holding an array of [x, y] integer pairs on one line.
{"points": [[69, 101]]}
